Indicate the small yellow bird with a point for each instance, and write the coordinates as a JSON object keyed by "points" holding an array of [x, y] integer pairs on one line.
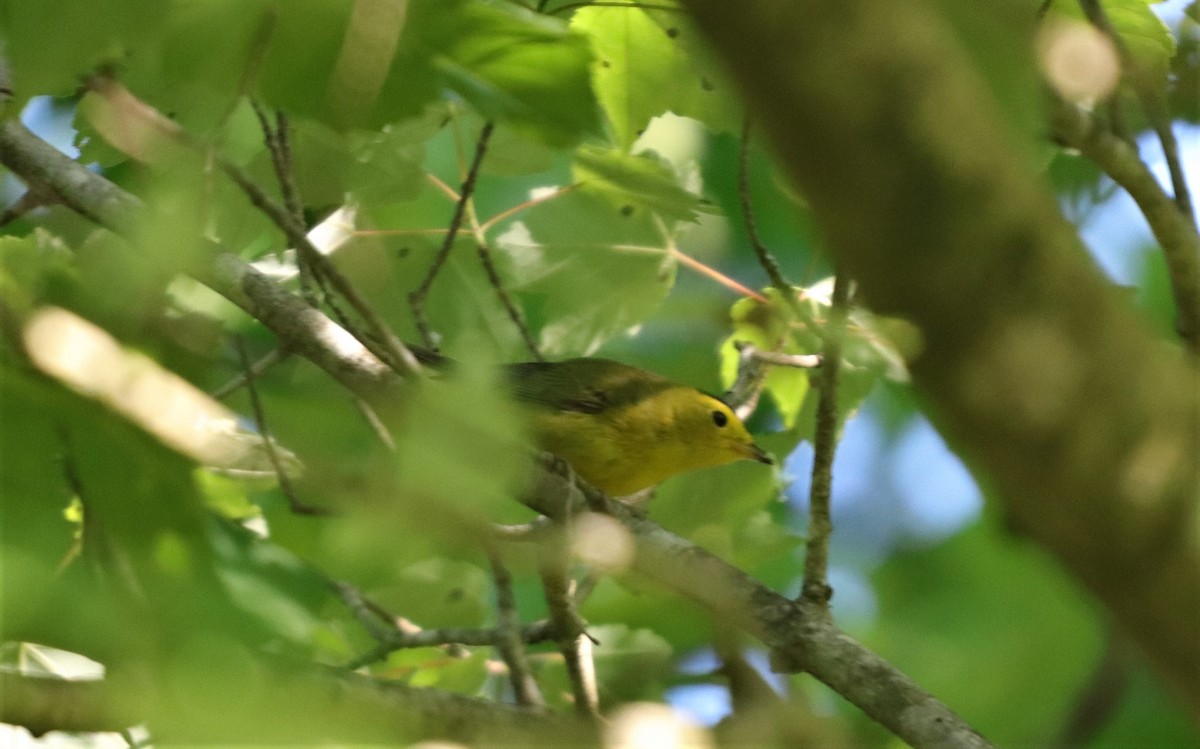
{"points": [[622, 428]]}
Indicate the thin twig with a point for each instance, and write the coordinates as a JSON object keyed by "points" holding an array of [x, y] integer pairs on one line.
{"points": [[260, 420], [1177, 236], [270, 359], [512, 650], [376, 423], [526, 205], [398, 355], [35, 197], [716, 275], [278, 142], [569, 629], [497, 284], [765, 258], [816, 560], [1100, 698], [416, 299], [291, 192], [753, 364], [1160, 119], [778, 358]]}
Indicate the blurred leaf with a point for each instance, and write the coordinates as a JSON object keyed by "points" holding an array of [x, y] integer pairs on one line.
{"points": [[439, 592], [462, 449], [981, 604], [1148, 40], [52, 46], [226, 497], [519, 67], [460, 675], [632, 664], [363, 65], [276, 591]]}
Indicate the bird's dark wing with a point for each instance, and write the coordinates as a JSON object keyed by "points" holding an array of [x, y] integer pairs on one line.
{"points": [[582, 385]]}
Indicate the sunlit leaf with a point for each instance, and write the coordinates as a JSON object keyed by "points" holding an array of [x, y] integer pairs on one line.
{"points": [[650, 62], [584, 271]]}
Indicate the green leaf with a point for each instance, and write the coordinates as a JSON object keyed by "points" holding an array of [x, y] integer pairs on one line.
{"points": [[873, 347], [652, 62], [979, 603], [462, 449], [584, 271], [273, 588], [363, 64], [439, 592], [519, 67], [632, 181], [52, 46], [765, 326]]}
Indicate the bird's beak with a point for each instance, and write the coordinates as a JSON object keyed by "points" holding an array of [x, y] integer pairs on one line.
{"points": [[754, 452]]}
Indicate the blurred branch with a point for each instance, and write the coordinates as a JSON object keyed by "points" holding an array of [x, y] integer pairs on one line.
{"points": [[238, 381], [1113, 405], [570, 631], [493, 277], [326, 706], [510, 642], [416, 299], [1099, 699], [40, 164], [820, 525], [260, 420], [42, 704], [397, 634], [1176, 235]]}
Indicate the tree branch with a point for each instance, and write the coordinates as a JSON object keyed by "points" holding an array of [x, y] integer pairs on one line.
{"points": [[326, 705], [825, 435], [1176, 235], [1038, 369], [509, 640], [799, 633], [416, 299]]}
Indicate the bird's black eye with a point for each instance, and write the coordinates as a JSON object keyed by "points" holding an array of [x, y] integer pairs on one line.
{"points": [[719, 418]]}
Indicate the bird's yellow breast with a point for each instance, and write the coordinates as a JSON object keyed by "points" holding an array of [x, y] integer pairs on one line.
{"points": [[629, 447]]}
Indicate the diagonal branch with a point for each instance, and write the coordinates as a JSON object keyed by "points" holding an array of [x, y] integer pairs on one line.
{"points": [[416, 299], [1030, 352], [1176, 235]]}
